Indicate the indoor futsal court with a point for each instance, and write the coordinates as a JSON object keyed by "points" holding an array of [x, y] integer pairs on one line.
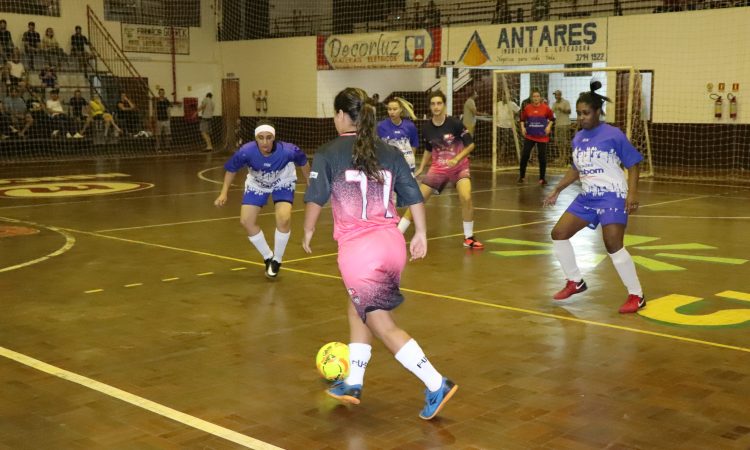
{"points": [[143, 319]]}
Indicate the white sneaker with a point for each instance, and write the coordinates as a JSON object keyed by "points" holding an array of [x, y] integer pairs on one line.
{"points": [[77, 135], [55, 133], [68, 135]]}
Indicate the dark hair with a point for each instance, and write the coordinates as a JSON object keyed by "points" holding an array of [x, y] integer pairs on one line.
{"points": [[434, 94], [32, 24], [55, 91], [3, 21], [209, 95], [264, 122], [78, 27], [361, 109], [591, 98]]}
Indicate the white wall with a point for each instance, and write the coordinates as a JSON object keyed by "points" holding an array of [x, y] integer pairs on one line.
{"points": [[381, 81]]}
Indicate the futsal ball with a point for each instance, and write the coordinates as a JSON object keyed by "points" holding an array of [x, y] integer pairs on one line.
{"points": [[333, 361]]}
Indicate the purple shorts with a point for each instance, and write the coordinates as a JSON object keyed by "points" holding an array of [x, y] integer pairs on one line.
{"points": [[371, 264], [604, 211], [279, 195]]}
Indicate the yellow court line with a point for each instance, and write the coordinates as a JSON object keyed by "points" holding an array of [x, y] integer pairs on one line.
{"points": [[460, 299], [138, 401], [204, 274], [171, 279], [238, 268], [93, 291], [133, 285]]}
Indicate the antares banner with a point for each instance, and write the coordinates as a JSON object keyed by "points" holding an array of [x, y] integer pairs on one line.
{"points": [[402, 49], [155, 39], [519, 44]]}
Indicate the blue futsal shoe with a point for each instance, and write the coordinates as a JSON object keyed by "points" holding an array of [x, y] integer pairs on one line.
{"points": [[345, 393], [434, 401]]}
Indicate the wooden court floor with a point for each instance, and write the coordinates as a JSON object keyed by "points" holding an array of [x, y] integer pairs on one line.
{"points": [[135, 315]]}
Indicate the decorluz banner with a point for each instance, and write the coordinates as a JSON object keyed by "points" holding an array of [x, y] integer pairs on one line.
{"points": [[561, 42], [403, 49], [155, 39]]}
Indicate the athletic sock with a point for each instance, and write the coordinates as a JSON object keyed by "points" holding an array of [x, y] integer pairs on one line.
{"points": [[626, 269], [566, 256], [413, 358], [468, 229], [259, 241], [279, 244], [359, 356]]}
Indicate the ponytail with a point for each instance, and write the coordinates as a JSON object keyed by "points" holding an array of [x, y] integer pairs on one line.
{"points": [[361, 109], [591, 98], [406, 107]]}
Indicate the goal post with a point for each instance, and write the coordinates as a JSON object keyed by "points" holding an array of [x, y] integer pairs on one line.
{"points": [[510, 89]]}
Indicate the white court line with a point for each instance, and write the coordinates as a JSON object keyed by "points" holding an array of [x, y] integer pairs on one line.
{"points": [[70, 241], [140, 402]]}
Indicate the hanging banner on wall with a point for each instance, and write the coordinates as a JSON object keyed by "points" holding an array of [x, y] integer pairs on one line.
{"points": [[401, 49], [519, 44], [155, 39]]}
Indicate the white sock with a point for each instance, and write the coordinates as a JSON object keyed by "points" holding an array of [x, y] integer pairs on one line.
{"points": [[403, 225], [259, 241], [413, 358], [359, 356], [626, 269], [468, 229], [279, 244], [564, 252]]}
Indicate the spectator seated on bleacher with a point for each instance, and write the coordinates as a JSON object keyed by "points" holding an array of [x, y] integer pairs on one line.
{"points": [[5, 124], [37, 109], [51, 48], [48, 77], [6, 42], [15, 107], [15, 72], [59, 121], [98, 112]]}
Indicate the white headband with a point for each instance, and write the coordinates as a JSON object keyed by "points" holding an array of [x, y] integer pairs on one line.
{"points": [[265, 127]]}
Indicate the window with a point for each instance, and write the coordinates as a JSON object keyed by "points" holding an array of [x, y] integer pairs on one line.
{"points": [[179, 13]]}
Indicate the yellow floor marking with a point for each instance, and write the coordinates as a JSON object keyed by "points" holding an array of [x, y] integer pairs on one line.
{"points": [[735, 295], [204, 274], [239, 268], [171, 279], [133, 285], [93, 291], [138, 401]]}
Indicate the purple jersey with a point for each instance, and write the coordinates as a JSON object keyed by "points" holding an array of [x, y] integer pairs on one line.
{"points": [[359, 203], [402, 136], [597, 155], [445, 142], [268, 173]]}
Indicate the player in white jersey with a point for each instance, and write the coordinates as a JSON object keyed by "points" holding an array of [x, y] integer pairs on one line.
{"points": [[599, 152]]}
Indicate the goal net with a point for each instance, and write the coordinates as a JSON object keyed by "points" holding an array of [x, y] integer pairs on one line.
{"points": [[560, 89]]}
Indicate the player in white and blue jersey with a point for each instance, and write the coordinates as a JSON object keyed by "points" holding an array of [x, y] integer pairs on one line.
{"points": [[271, 173], [600, 151], [399, 131]]}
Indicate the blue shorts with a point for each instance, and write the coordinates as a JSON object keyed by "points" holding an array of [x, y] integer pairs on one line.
{"points": [[604, 211], [260, 200]]}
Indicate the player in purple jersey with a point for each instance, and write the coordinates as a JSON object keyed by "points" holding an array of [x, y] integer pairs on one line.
{"points": [[399, 131], [599, 150], [272, 173], [447, 148], [359, 173]]}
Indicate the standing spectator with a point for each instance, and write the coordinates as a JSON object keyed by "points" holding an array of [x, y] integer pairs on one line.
{"points": [[163, 127], [51, 48], [31, 40], [127, 114], [380, 109], [59, 120], [506, 121], [470, 114], [6, 42], [48, 77], [16, 108], [502, 12], [206, 111], [78, 112], [536, 126], [561, 109], [5, 123], [78, 43]]}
